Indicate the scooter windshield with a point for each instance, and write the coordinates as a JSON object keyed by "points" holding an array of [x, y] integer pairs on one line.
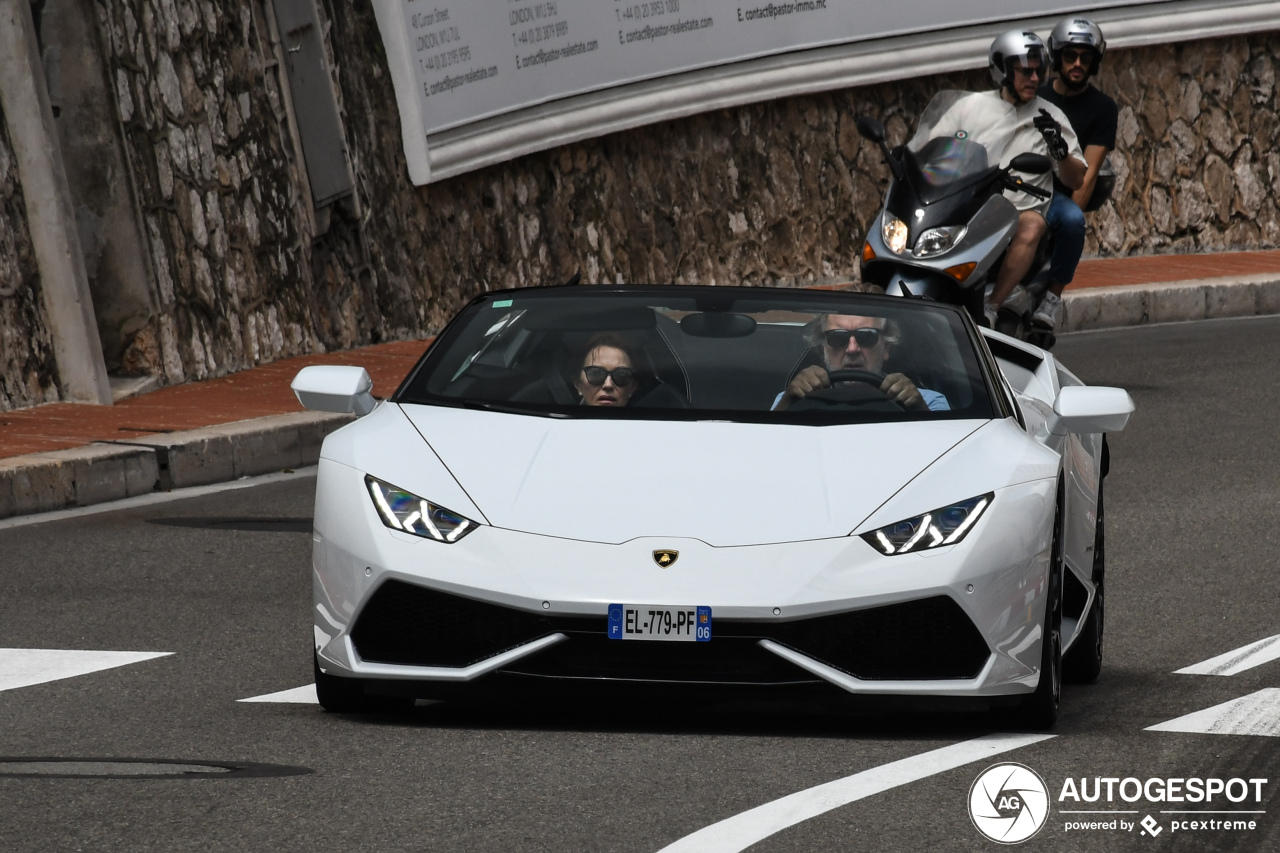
{"points": [[962, 134]]}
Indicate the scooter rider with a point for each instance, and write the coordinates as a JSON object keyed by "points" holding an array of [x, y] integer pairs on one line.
{"points": [[1076, 47], [1018, 63]]}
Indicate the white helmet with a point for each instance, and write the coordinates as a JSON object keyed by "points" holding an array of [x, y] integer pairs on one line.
{"points": [[1015, 47], [1079, 32]]}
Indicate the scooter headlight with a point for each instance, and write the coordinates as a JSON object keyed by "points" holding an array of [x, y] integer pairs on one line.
{"points": [[936, 241], [894, 231]]}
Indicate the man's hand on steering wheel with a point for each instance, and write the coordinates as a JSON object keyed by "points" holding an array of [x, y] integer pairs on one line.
{"points": [[896, 386], [807, 380], [901, 390]]}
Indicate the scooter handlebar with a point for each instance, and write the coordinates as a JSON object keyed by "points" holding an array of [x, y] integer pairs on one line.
{"points": [[1020, 185]]}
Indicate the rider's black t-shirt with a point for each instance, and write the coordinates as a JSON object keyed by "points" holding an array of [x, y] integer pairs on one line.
{"points": [[1093, 116]]}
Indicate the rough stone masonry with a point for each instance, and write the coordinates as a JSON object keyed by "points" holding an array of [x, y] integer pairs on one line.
{"points": [[771, 193]]}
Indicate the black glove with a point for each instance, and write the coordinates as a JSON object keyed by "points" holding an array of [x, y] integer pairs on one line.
{"points": [[1052, 133]]}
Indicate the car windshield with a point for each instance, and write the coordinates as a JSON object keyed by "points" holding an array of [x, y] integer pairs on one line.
{"points": [[693, 353]]}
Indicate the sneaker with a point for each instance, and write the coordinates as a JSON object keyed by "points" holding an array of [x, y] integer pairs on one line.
{"points": [[989, 314], [1049, 312]]}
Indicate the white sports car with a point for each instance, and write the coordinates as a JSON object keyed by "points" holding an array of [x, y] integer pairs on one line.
{"points": [[726, 488]]}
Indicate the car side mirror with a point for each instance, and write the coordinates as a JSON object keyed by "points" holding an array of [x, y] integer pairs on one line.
{"points": [[870, 128], [1031, 164], [1089, 409], [335, 388]]}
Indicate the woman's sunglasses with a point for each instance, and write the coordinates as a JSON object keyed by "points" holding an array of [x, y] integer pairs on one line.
{"points": [[622, 376], [839, 338]]}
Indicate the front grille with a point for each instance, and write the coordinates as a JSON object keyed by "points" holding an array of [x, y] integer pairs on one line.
{"points": [[407, 624], [729, 660], [927, 639], [915, 640]]}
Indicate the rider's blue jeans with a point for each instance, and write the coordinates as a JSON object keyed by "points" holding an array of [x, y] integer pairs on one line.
{"points": [[1066, 223]]}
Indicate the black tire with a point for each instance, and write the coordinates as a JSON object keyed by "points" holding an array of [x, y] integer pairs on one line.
{"points": [[1039, 711], [1083, 664], [346, 696]]}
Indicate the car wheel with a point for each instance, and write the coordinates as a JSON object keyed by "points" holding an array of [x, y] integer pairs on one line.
{"points": [[345, 696], [1083, 664], [1039, 711]]}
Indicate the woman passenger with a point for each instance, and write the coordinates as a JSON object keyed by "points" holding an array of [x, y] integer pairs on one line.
{"points": [[607, 376]]}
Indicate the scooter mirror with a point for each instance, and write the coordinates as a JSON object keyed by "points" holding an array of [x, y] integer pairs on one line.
{"points": [[870, 128], [1030, 164]]}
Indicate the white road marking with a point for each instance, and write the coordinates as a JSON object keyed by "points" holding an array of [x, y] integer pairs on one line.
{"points": [[741, 831], [1255, 714], [156, 498], [297, 696], [1247, 657], [25, 667]]}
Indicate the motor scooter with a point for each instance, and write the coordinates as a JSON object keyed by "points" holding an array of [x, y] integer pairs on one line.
{"points": [[947, 220]]}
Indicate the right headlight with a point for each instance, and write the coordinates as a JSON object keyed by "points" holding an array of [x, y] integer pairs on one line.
{"points": [[406, 512], [936, 241], [894, 231], [945, 526]]}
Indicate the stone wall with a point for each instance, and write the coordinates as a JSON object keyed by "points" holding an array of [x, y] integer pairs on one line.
{"points": [[198, 92], [1196, 148], [28, 370], [782, 192], [245, 272]]}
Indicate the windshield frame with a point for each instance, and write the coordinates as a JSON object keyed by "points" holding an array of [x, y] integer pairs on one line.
{"points": [[412, 390]]}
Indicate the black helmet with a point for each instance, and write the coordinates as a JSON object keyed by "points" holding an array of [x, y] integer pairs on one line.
{"points": [[1011, 48], [1078, 32]]}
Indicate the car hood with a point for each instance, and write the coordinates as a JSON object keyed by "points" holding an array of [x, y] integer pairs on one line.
{"points": [[723, 483]]}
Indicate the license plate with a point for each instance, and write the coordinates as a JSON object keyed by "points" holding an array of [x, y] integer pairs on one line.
{"points": [[659, 622]]}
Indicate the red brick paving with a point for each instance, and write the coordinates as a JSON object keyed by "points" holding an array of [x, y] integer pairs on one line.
{"points": [[1113, 272], [265, 390], [250, 393]]}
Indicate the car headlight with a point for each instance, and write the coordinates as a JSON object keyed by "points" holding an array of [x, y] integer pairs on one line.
{"points": [[935, 241], [945, 526], [894, 231], [405, 511]]}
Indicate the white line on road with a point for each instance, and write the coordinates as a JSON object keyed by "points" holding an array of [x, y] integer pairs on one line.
{"points": [[741, 831], [1247, 657], [157, 498], [297, 695], [25, 667], [1255, 714]]}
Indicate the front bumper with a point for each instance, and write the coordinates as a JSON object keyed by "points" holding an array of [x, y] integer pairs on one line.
{"points": [[958, 621]]}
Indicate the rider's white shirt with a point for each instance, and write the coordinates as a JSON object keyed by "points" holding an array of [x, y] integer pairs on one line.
{"points": [[1007, 131]]}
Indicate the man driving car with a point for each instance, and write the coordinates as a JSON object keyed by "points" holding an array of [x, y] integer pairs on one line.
{"points": [[852, 342]]}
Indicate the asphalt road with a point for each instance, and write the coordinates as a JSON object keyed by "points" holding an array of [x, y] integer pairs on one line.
{"points": [[1192, 510]]}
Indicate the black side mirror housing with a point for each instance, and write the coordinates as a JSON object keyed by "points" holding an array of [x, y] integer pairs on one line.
{"points": [[1031, 164], [870, 128]]}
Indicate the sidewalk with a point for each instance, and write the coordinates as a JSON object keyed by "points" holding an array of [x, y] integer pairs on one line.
{"points": [[63, 455]]}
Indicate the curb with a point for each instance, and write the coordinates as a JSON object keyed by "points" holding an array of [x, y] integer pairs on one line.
{"points": [[108, 471], [1170, 302]]}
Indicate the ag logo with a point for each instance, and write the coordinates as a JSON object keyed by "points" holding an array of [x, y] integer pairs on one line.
{"points": [[665, 558], [1009, 803]]}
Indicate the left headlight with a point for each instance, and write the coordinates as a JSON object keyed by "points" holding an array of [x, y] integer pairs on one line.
{"points": [[405, 511], [894, 232], [945, 526]]}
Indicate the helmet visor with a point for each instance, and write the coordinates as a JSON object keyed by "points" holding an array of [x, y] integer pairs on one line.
{"points": [[1031, 61]]}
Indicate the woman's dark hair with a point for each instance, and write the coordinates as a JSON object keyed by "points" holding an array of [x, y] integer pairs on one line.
{"points": [[608, 339]]}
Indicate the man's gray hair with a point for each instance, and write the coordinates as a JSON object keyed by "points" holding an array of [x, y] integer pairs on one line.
{"points": [[892, 331]]}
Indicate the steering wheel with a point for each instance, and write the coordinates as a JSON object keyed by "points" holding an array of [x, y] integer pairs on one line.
{"points": [[867, 377]]}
